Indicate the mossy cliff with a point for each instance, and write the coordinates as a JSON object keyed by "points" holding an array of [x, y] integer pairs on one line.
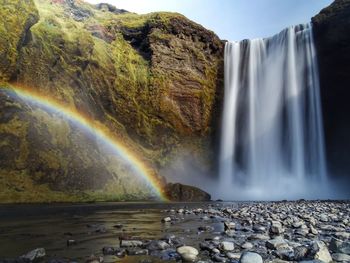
{"points": [[153, 80], [332, 37]]}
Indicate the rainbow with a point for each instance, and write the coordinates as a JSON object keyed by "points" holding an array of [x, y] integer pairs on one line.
{"points": [[96, 128]]}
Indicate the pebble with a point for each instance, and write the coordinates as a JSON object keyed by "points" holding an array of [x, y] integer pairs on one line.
{"points": [[166, 219], [34, 254], [131, 243], [188, 254], [339, 257], [227, 246], [250, 257]]}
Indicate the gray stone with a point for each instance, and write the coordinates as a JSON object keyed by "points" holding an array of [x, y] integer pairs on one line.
{"points": [[34, 254], [250, 257], [227, 246], [339, 246], [247, 245], [166, 219], [320, 251], [131, 243], [340, 257], [187, 253], [258, 237], [229, 225], [276, 228]]}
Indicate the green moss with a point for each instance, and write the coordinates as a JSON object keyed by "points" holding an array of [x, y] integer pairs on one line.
{"points": [[16, 16]]}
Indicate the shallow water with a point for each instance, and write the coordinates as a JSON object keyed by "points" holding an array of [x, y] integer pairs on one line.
{"points": [[26, 227]]}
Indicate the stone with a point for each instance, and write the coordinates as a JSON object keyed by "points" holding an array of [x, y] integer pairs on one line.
{"points": [[206, 228], [108, 250], [258, 237], [227, 246], [166, 219], [94, 259], [300, 252], [187, 253], [276, 228], [250, 257], [313, 230], [235, 256], [229, 225], [259, 228], [34, 254], [131, 243], [229, 233], [323, 218], [276, 243], [219, 258], [157, 245], [340, 257], [339, 246], [136, 251], [247, 245], [320, 251]]}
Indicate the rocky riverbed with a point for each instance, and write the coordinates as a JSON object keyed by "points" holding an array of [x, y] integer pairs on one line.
{"points": [[250, 232]]}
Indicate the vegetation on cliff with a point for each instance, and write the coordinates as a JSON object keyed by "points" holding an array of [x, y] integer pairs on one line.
{"points": [[151, 79]]}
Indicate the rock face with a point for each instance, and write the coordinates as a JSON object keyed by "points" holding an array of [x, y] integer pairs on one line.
{"points": [[331, 32], [185, 193], [152, 80]]}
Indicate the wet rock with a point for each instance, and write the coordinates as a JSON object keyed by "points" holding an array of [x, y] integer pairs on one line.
{"points": [[131, 243], [136, 251], [339, 246], [229, 233], [71, 242], [227, 246], [205, 228], [259, 228], [35, 254], [94, 259], [276, 243], [187, 253], [339, 257], [157, 245], [258, 237], [166, 219], [250, 257], [108, 251], [234, 256], [313, 230], [318, 250], [247, 245], [276, 228], [323, 218], [219, 258], [300, 252], [229, 225]]}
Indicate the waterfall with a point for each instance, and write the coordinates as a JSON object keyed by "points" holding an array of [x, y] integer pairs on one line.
{"points": [[272, 143]]}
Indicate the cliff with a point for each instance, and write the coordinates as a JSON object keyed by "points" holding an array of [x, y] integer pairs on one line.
{"points": [[151, 79], [332, 37]]}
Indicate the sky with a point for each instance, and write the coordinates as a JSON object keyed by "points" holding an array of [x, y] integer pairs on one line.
{"points": [[232, 19]]}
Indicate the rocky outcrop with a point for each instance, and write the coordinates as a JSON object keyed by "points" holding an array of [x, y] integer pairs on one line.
{"points": [[150, 79], [331, 32], [185, 193]]}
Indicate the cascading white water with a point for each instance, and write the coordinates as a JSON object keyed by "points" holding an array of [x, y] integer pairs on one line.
{"points": [[272, 143]]}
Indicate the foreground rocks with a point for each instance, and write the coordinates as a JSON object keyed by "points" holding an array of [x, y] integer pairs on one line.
{"points": [[275, 232]]}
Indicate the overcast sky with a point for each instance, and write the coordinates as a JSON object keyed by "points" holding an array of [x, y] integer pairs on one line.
{"points": [[232, 19]]}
